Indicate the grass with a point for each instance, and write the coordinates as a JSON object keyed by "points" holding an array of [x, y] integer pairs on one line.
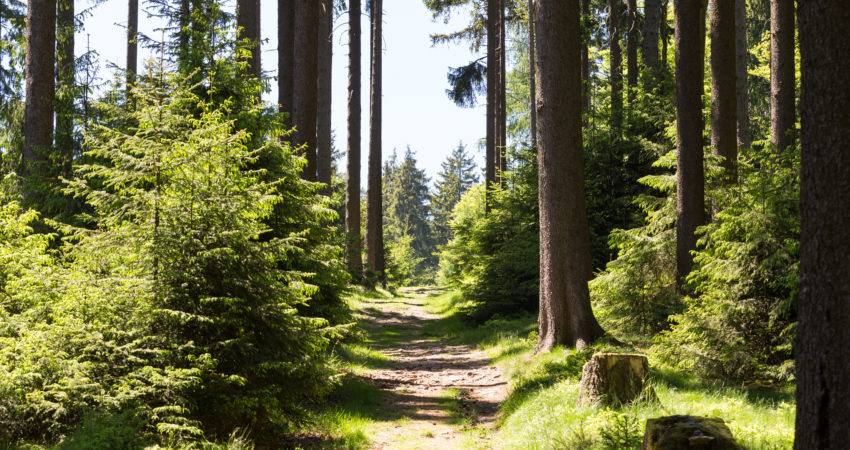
{"points": [[541, 410]]}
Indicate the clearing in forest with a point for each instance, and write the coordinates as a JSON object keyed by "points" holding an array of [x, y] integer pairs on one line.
{"points": [[435, 395]]}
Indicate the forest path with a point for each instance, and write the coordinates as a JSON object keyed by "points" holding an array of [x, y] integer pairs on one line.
{"points": [[438, 395]]}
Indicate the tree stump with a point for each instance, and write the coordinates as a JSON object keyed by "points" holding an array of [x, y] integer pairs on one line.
{"points": [[613, 379], [687, 433]]}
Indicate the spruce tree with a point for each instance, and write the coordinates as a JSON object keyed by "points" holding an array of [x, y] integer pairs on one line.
{"points": [[456, 176]]}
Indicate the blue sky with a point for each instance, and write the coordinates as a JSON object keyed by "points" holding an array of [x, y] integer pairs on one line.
{"points": [[417, 111]]}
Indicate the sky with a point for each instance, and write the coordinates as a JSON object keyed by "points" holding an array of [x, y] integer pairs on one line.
{"points": [[417, 111]]}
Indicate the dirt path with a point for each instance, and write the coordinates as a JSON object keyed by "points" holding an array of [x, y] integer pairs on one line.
{"points": [[440, 396]]}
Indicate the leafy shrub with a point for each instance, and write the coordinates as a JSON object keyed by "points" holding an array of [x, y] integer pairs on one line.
{"points": [[741, 325]]}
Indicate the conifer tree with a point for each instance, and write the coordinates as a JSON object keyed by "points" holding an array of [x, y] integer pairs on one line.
{"points": [[782, 78], [374, 195], [724, 142], [457, 175], [305, 81], [285, 55], [323, 119], [353, 257], [65, 72], [248, 26], [615, 66]]}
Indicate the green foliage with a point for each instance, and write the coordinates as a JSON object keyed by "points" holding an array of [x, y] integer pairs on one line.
{"points": [[407, 212], [741, 323], [493, 257], [403, 264], [455, 178], [637, 291]]}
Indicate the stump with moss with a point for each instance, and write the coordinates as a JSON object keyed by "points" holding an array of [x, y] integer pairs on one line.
{"points": [[614, 379], [687, 433]]}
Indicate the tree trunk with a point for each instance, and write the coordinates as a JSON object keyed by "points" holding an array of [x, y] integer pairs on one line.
{"points": [[183, 35], [40, 89], [532, 77], [823, 337], [248, 22], [616, 66], [285, 55], [374, 193], [132, 43], [65, 71], [492, 81], [585, 57], [741, 51], [665, 7], [352, 193], [323, 152], [690, 182], [782, 82], [651, 11], [305, 81], [501, 118], [566, 317], [723, 96], [631, 49]]}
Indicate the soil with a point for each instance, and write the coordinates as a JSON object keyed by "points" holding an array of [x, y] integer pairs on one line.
{"points": [[440, 395]]}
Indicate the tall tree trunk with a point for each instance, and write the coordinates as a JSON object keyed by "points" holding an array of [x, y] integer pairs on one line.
{"points": [[248, 21], [585, 57], [323, 152], [132, 43], [651, 12], [65, 70], [723, 95], [305, 81], [532, 77], [374, 193], [492, 82], [566, 317], [352, 192], [823, 337], [690, 181], [40, 90], [631, 49], [782, 82], [665, 8], [501, 118], [743, 99], [183, 37], [616, 66], [285, 55]]}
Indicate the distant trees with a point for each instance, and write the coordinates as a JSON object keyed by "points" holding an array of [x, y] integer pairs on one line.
{"points": [[457, 175], [823, 342], [690, 179], [40, 90], [566, 317]]}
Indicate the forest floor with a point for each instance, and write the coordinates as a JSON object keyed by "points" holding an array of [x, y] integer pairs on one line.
{"points": [[435, 395]]}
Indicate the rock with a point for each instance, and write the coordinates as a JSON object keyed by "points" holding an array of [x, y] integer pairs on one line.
{"points": [[614, 379], [688, 432]]}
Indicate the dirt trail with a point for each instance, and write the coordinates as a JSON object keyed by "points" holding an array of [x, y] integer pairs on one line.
{"points": [[442, 396]]}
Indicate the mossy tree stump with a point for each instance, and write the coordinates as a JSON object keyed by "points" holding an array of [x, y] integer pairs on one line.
{"points": [[613, 379], [687, 433]]}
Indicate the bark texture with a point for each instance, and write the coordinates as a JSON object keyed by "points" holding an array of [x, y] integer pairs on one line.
{"points": [[585, 57], [490, 152], [65, 70], [665, 37], [823, 335], [184, 19], [40, 88], [782, 81], [566, 316], [741, 51], [631, 47], [323, 139], [690, 181], [616, 66], [651, 13], [305, 81], [374, 192], [132, 43], [532, 76], [501, 114], [285, 55], [352, 191], [248, 22], [724, 135]]}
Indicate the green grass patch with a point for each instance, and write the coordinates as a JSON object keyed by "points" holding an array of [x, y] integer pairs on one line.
{"points": [[541, 410]]}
